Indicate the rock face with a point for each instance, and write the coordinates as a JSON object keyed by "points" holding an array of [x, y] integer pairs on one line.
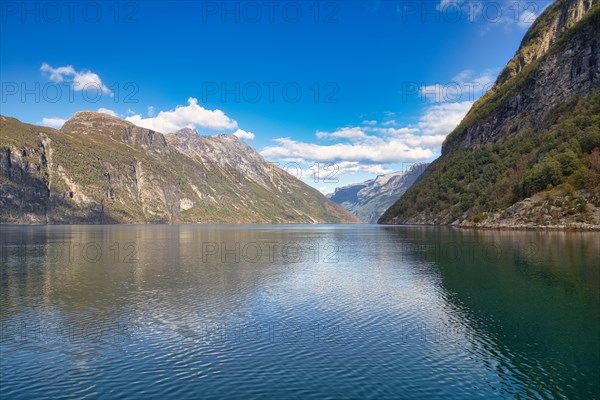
{"points": [[369, 200], [559, 17], [532, 141], [548, 70], [101, 169]]}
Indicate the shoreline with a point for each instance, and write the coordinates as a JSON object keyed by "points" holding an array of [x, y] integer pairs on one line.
{"points": [[569, 228], [575, 227]]}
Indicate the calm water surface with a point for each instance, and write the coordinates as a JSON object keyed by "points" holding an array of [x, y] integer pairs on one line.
{"points": [[285, 312]]}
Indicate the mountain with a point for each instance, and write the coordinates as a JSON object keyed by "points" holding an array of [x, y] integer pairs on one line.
{"points": [[528, 151], [369, 200], [101, 169]]}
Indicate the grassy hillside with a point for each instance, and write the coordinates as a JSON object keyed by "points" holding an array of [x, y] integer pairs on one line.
{"points": [[100, 169]]}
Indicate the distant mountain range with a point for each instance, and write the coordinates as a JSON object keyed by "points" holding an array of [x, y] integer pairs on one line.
{"points": [[369, 200], [101, 169], [527, 154]]}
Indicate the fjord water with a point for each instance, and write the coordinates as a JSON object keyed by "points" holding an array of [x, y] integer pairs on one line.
{"points": [[242, 312]]}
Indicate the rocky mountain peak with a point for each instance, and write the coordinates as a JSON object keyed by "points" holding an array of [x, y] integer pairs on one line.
{"points": [[92, 116], [545, 31], [93, 123], [368, 200], [189, 132], [85, 122]]}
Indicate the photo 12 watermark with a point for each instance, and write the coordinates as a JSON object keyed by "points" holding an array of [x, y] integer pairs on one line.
{"points": [[270, 12], [68, 91], [69, 12], [254, 252], [448, 92], [52, 332], [270, 92], [453, 332], [73, 252], [284, 332], [317, 172], [449, 12]]}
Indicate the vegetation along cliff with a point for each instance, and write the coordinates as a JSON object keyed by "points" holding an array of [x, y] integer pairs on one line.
{"points": [[528, 151]]}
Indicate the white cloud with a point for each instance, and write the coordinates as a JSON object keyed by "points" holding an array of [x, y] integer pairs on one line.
{"points": [[81, 80], [350, 167], [353, 134], [242, 134], [190, 116], [151, 111], [394, 131], [368, 153], [465, 86], [374, 147], [57, 74], [53, 122], [441, 119], [107, 111], [385, 151]]}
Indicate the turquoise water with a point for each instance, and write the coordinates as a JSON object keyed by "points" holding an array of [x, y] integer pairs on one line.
{"points": [[284, 312]]}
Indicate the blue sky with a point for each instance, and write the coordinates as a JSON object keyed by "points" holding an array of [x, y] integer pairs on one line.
{"points": [[356, 88]]}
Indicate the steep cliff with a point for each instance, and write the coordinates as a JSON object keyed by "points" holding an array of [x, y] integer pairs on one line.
{"points": [[528, 152], [101, 169], [369, 200], [558, 61]]}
